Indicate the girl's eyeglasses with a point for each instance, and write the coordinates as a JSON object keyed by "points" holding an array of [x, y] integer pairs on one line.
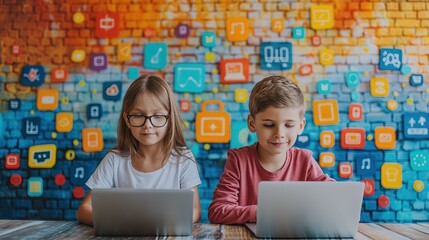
{"points": [[155, 120]]}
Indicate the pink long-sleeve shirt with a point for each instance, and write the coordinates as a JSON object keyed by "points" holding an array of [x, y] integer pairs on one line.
{"points": [[235, 197]]}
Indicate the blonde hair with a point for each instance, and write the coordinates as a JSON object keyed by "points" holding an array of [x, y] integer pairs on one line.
{"points": [[276, 91], [174, 138]]}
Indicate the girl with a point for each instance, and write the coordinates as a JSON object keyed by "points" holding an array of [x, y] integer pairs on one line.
{"points": [[151, 151]]}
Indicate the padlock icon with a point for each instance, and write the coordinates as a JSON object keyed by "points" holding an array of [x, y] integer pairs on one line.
{"points": [[213, 126]]}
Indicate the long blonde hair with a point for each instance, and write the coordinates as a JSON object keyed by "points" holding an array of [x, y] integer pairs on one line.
{"points": [[174, 139]]}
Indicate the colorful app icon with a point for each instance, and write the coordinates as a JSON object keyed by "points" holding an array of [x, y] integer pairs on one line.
{"points": [[78, 55], [327, 139], [416, 125], [16, 49], [234, 71], [189, 77], [35, 187], [94, 111], [316, 40], [345, 170], [385, 137], [92, 140], [277, 25], [98, 61], [107, 25], [47, 99], [155, 55], [326, 159], [12, 161], [182, 30], [390, 59], [353, 138], [237, 29], [352, 79], [305, 70], [241, 136], [185, 105], [419, 160], [59, 75], [379, 87], [212, 126], [355, 112], [321, 17], [325, 112], [78, 174], [123, 52], [15, 180], [369, 188], [324, 86], [298, 33], [14, 104], [31, 126], [383, 201], [391, 175], [416, 80], [276, 55], [133, 73], [42, 156], [365, 166], [302, 141], [64, 122], [326, 57], [241, 95], [418, 185], [112, 91], [78, 18], [32, 75], [208, 39]]}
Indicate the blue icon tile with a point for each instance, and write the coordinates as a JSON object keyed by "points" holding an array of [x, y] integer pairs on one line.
{"points": [[31, 126], [155, 55], [324, 86], [14, 104], [32, 75], [416, 79], [189, 77], [364, 166], [390, 59], [416, 125], [352, 79], [298, 33], [276, 55], [208, 39], [112, 91], [94, 111]]}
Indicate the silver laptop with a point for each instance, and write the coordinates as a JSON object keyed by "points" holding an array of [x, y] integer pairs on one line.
{"points": [[308, 209], [143, 212]]}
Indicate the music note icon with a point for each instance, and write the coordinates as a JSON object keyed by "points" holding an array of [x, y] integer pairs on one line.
{"points": [[366, 163], [79, 172]]}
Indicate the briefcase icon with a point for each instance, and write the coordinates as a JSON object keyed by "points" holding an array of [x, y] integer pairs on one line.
{"points": [[213, 126]]}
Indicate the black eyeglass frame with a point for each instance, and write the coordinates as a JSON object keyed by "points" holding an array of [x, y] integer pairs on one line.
{"points": [[150, 120]]}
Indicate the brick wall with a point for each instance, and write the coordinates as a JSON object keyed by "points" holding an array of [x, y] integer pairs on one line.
{"points": [[44, 34]]}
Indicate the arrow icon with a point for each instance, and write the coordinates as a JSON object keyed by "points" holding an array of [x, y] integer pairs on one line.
{"points": [[422, 120], [412, 122]]}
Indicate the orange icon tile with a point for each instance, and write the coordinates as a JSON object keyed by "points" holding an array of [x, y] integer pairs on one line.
{"points": [[345, 170], [327, 139], [47, 99], [326, 159], [237, 29], [92, 140], [353, 138], [325, 112], [385, 137]]}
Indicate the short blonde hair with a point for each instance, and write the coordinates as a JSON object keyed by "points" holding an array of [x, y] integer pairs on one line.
{"points": [[276, 91]]}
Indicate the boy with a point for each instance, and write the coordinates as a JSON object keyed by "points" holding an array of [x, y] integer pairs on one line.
{"points": [[277, 109]]}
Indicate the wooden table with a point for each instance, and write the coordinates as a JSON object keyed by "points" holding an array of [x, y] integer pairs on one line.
{"points": [[39, 229]]}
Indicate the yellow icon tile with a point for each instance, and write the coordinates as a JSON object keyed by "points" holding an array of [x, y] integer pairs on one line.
{"points": [[64, 122], [277, 25], [321, 17], [327, 139], [391, 175], [92, 140], [326, 159], [47, 99], [385, 137], [326, 57], [379, 87], [325, 112], [240, 95]]}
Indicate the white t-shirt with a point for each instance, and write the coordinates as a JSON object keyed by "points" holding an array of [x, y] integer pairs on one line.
{"points": [[115, 171]]}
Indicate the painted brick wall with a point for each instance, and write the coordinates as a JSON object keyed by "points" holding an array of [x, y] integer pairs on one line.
{"points": [[45, 34]]}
